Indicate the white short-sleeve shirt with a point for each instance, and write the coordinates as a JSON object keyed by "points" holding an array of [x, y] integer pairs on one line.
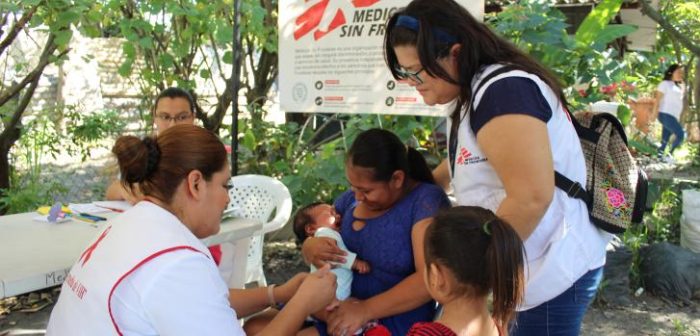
{"points": [[672, 100]]}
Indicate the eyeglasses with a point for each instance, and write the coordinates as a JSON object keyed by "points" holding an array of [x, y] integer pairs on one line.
{"points": [[177, 119], [405, 74]]}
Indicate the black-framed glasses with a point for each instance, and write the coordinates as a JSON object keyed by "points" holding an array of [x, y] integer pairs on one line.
{"points": [[177, 119], [405, 74]]}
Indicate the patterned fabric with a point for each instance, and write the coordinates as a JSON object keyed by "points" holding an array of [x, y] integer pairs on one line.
{"points": [[616, 185], [430, 329]]}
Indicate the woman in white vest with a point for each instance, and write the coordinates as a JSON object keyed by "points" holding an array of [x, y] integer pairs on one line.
{"points": [[669, 103], [503, 153], [148, 273]]}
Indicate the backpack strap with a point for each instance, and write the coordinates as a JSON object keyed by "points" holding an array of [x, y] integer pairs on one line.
{"points": [[573, 189], [458, 117]]}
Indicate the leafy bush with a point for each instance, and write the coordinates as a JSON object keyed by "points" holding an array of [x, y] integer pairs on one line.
{"points": [[314, 168]]}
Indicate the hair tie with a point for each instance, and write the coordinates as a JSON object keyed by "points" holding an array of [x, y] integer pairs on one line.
{"points": [[411, 23], [487, 226], [153, 156]]}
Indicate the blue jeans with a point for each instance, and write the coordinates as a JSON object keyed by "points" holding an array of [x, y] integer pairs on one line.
{"points": [[563, 314], [671, 125]]}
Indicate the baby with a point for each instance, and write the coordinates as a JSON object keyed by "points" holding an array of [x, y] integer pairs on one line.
{"points": [[321, 220]]}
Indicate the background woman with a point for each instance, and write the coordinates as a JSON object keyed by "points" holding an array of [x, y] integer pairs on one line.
{"points": [[504, 152], [669, 104], [148, 273]]}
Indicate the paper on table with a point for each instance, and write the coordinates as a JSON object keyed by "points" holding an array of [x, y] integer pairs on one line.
{"points": [[113, 205], [45, 219], [86, 208]]}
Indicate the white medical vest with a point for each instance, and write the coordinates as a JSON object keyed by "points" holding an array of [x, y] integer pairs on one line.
{"points": [[565, 245], [132, 239]]}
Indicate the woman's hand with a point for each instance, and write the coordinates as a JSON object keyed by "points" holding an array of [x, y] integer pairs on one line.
{"points": [[347, 318], [316, 292], [284, 292], [321, 250]]}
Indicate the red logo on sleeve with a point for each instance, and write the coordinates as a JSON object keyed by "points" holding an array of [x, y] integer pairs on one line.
{"points": [[88, 252]]}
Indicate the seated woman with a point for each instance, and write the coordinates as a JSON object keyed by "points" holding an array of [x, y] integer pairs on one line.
{"points": [[384, 217], [173, 106], [149, 274]]}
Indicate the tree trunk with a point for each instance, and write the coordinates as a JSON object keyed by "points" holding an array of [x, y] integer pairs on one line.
{"points": [[653, 14], [13, 125]]}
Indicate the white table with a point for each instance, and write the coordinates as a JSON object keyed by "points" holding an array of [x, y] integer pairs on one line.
{"points": [[36, 255]]}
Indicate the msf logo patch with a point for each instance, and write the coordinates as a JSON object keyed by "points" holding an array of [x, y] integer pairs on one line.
{"points": [[324, 16]]}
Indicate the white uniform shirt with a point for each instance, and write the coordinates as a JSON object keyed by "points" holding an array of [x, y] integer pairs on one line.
{"points": [[672, 100], [565, 245], [146, 274]]}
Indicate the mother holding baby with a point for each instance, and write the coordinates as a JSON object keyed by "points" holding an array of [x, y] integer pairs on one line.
{"points": [[392, 196]]}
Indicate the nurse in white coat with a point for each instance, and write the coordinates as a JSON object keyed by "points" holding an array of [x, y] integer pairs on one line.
{"points": [[148, 273]]}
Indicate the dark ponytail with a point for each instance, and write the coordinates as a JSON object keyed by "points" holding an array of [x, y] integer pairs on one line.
{"points": [[384, 152], [159, 164], [505, 258], [483, 253]]}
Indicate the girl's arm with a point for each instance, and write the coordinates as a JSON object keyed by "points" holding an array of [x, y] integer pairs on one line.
{"points": [[408, 294], [517, 146]]}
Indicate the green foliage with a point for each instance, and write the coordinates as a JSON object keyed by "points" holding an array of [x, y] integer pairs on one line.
{"points": [[189, 44], [595, 31], [52, 132], [87, 131], [589, 70], [662, 224], [313, 167]]}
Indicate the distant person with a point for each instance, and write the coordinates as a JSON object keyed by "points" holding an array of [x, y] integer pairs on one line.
{"points": [[148, 272], [469, 253], [503, 152], [173, 106], [669, 103]]}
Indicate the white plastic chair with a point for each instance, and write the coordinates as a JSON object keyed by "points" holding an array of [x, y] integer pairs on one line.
{"points": [[255, 197]]}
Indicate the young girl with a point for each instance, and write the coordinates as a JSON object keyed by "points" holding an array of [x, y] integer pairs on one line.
{"points": [[470, 252]]}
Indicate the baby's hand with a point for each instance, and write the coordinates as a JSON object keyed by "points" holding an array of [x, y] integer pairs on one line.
{"points": [[361, 266]]}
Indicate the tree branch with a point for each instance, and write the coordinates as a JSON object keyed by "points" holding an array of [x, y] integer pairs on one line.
{"points": [[14, 90], [33, 80], [653, 14], [17, 27]]}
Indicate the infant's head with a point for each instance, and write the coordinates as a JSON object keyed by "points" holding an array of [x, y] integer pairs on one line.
{"points": [[314, 216]]}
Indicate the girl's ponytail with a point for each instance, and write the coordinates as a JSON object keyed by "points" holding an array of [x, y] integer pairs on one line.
{"points": [[484, 254], [505, 262]]}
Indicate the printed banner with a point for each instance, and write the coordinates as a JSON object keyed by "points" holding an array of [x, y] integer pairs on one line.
{"points": [[331, 58]]}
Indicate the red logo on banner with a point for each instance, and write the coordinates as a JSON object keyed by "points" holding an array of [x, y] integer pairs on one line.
{"points": [[323, 19]]}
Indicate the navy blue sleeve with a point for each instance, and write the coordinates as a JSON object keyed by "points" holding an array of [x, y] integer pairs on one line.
{"points": [[431, 199], [510, 95]]}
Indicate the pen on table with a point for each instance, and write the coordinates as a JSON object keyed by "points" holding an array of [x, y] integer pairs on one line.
{"points": [[93, 217], [85, 219]]}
